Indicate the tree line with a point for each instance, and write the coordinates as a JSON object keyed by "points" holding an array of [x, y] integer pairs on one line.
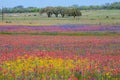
{"points": [[21, 9], [107, 6]]}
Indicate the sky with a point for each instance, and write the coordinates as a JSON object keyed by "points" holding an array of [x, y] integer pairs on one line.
{"points": [[44, 3]]}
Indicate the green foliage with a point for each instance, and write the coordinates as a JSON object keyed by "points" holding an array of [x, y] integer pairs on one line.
{"points": [[21, 9], [69, 11], [114, 5]]}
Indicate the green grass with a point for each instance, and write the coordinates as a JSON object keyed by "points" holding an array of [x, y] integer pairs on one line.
{"points": [[88, 17], [64, 34]]}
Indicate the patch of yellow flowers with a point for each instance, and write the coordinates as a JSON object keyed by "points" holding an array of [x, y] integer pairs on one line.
{"points": [[44, 68], [47, 65]]}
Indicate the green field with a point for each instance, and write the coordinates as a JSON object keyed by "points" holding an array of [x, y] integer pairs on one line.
{"points": [[94, 17]]}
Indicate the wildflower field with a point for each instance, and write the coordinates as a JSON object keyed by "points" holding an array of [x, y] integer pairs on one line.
{"points": [[64, 52]]}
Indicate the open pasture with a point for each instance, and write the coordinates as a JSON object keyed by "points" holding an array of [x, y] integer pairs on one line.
{"points": [[94, 17]]}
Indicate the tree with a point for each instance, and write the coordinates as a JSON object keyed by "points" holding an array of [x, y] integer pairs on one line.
{"points": [[47, 10], [61, 10], [73, 12]]}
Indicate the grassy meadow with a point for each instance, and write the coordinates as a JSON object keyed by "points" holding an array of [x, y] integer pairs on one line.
{"points": [[94, 17]]}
